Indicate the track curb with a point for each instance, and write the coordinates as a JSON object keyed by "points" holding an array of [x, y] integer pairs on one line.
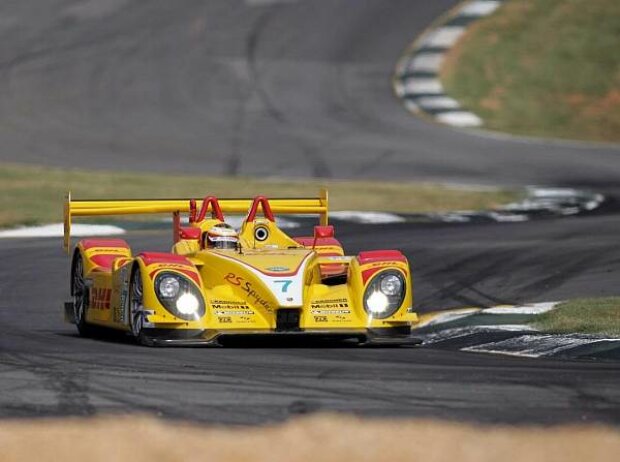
{"points": [[506, 330], [416, 80]]}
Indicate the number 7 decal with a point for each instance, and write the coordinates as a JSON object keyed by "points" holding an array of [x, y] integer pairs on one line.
{"points": [[285, 283]]}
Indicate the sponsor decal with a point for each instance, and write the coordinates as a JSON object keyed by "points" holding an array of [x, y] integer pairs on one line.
{"points": [[333, 306], [278, 269], [325, 306], [326, 312], [182, 266], [226, 306], [333, 300], [233, 312], [225, 320], [247, 287], [320, 319], [100, 298], [229, 302]]}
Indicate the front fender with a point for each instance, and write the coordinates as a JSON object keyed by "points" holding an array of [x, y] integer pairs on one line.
{"points": [[368, 265]]}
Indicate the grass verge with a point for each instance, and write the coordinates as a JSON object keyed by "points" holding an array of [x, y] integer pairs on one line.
{"points": [[546, 68], [586, 315], [32, 195]]}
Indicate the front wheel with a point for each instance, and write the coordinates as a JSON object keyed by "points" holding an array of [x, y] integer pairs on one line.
{"points": [[136, 307]]}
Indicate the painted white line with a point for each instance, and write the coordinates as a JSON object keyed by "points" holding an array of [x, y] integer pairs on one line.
{"points": [[452, 217], [480, 8], [367, 217], [508, 217], [418, 86], [443, 318], [438, 102], [534, 308], [459, 332], [535, 346], [57, 230], [443, 37], [426, 62], [462, 119]]}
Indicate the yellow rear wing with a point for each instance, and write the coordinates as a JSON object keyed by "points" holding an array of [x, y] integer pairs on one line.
{"points": [[89, 208]]}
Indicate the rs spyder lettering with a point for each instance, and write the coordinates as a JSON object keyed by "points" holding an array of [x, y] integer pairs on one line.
{"points": [[247, 287]]}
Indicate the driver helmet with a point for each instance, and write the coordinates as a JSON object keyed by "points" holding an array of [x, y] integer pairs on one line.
{"points": [[221, 236]]}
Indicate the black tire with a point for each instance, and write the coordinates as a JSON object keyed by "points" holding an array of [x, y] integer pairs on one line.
{"points": [[136, 307], [80, 294]]}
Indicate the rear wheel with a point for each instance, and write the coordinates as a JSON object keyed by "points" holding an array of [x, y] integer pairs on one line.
{"points": [[80, 297], [136, 307]]}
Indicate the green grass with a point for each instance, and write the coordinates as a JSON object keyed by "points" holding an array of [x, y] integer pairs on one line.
{"points": [[587, 315], [546, 68], [31, 195]]}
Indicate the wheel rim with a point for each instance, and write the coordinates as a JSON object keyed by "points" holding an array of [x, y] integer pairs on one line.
{"points": [[136, 315], [79, 302]]}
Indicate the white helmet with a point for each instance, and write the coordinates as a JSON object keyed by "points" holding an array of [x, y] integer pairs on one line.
{"points": [[221, 236]]}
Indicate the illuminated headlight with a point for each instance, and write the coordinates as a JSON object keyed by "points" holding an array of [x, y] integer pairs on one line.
{"points": [[179, 296], [384, 294], [187, 304]]}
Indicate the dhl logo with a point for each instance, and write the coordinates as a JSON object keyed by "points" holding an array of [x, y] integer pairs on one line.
{"points": [[100, 299]]}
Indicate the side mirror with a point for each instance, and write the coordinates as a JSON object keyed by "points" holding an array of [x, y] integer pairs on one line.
{"points": [[322, 232]]}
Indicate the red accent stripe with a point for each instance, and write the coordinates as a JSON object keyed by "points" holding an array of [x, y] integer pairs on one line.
{"points": [[190, 233], [373, 256], [104, 261], [151, 258], [367, 274]]}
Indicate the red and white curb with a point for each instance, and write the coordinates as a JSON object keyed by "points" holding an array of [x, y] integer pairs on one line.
{"points": [[417, 74]]}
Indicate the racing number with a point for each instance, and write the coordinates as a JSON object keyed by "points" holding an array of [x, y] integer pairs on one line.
{"points": [[285, 284]]}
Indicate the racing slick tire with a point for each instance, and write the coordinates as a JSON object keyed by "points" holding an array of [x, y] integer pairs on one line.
{"points": [[136, 308], [80, 294]]}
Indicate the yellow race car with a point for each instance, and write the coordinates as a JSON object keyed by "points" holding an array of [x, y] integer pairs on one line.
{"points": [[217, 282]]}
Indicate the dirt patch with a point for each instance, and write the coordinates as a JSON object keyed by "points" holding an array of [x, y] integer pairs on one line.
{"points": [[321, 437], [493, 101], [609, 102]]}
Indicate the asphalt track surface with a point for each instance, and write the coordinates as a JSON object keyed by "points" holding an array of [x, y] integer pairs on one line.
{"points": [[288, 88]]}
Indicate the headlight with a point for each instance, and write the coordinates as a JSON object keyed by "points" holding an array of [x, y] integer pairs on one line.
{"points": [[187, 304], [391, 285], [179, 296], [385, 294], [169, 287]]}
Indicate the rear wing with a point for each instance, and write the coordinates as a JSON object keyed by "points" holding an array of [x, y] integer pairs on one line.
{"points": [[89, 208]]}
